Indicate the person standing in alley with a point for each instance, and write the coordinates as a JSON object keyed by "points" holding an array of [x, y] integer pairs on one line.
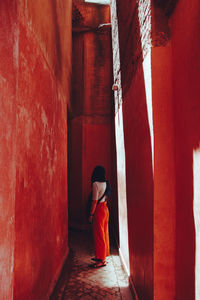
{"points": [[99, 216]]}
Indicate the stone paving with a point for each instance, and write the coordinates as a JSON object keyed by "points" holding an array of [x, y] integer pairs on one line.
{"points": [[85, 282]]}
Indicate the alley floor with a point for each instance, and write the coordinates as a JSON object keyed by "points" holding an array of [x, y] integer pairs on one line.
{"points": [[80, 281]]}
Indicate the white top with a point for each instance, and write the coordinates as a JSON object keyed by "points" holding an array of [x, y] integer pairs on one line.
{"points": [[98, 188]]}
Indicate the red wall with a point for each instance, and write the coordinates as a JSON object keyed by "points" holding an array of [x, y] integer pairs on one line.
{"points": [[34, 81], [161, 226], [139, 180], [164, 173], [76, 215], [96, 151], [175, 73], [41, 170], [8, 70], [186, 71], [90, 111], [138, 152]]}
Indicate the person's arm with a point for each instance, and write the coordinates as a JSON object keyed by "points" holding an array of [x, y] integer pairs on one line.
{"points": [[94, 204], [94, 201]]}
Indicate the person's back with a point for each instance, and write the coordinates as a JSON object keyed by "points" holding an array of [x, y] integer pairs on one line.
{"points": [[98, 189]]}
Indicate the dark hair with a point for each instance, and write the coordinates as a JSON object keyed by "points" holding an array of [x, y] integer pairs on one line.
{"points": [[98, 174]]}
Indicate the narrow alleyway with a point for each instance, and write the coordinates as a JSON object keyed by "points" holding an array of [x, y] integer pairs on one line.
{"points": [[80, 281]]}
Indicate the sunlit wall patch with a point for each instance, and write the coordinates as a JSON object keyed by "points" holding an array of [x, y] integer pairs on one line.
{"points": [[99, 1], [120, 147], [196, 209]]}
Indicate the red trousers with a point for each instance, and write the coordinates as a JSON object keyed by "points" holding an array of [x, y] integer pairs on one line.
{"points": [[100, 231]]}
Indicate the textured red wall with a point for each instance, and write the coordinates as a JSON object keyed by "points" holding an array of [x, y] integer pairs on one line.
{"points": [[90, 124], [175, 73], [41, 240], [164, 173], [34, 83], [96, 151], [76, 214], [52, 30], [8, 71], [139, 171], [186, 71], [139, 180], [161, 227]]}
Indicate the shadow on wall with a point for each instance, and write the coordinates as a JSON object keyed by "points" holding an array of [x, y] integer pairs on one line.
{"points": [[185, 231], [187, 128], [58, 62], [114, 216]]}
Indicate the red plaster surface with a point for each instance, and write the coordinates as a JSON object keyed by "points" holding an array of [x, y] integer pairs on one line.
{"points": [[34, 83], [91, 69], [96, 151], [175, 73], [166, 212], [139, 178], [164, 174], [139, 171], [51, 23], [91, 108], [186, 71], [76, 214], [8, 69], [41, 183]]}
